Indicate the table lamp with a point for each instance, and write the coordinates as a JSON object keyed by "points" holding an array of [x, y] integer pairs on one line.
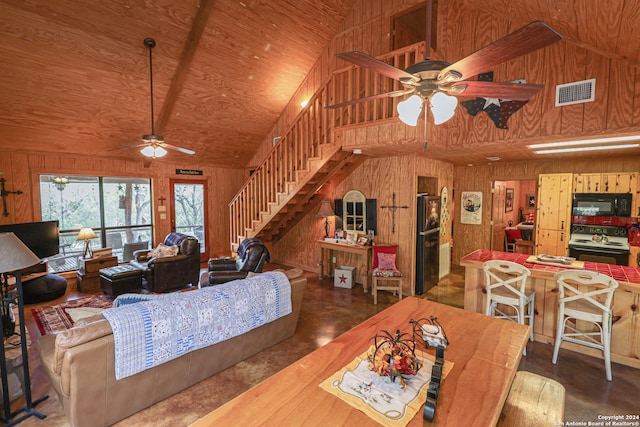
{"points": [[15, 256], [325, 211], [87, 234]]}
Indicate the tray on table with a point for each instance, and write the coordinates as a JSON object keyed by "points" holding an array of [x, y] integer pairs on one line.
{"points": [[574, 264]]}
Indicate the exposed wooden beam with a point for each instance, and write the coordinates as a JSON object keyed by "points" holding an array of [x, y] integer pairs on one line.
{"points": [[190, 48]]}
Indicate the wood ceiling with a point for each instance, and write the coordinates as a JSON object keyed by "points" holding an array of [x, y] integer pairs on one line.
{"points": [[74, 74]]}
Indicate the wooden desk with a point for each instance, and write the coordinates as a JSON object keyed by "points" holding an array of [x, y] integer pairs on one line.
{"points": [[326, 253], [485, 352]]}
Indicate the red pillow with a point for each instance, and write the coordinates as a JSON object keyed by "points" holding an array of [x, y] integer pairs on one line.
{"points": [[512, 235], [382, 249]]}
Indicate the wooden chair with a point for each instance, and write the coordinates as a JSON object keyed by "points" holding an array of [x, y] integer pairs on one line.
{"points": [[505, 283], [385, 273], [585, 296], [533, 400], [511, 235]]}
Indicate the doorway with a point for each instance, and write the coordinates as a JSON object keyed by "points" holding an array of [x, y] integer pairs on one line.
{"points": [[513, 205], [189, 211]]}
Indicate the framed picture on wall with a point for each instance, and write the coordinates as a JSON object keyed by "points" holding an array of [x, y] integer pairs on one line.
{"points": [[508, 200], [531, 200]]}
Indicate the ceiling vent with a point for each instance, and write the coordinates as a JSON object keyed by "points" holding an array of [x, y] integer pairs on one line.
{"points": [[576, 92]]}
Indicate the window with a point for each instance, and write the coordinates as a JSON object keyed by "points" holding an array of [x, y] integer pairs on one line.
{"points": [[354, 211], [118, 209]]}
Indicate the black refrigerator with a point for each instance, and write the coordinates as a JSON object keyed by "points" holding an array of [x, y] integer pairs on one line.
{"points": [[427, 242]]}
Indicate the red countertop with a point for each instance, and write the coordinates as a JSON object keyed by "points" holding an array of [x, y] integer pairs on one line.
{"points": [[620, 273]]}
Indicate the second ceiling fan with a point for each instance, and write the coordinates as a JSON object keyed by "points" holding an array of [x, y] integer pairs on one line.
{"points": [[154, 145], [439, 82]]}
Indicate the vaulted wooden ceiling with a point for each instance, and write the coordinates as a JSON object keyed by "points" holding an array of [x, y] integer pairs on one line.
{"points": [[74, 74]]}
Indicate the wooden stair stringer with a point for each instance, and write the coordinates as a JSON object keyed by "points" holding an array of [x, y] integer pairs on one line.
{"points": [[325, 181]]}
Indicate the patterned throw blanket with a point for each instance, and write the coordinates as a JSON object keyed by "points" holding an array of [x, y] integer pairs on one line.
{"points": [[150, 333]]}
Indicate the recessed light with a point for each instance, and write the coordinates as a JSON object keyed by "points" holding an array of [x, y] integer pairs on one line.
{"points": [[493, 158]]}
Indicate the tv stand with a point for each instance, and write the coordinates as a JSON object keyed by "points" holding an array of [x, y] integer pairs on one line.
{"points": [[35, 271]]}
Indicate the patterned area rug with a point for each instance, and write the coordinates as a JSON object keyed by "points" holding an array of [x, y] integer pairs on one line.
{"points": [[56, 318]]}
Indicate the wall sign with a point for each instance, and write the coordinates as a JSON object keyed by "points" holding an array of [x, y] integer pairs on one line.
{"points": [[188, 172], [471, 212]]}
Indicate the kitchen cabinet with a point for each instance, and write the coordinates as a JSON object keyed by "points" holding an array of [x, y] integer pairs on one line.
{"points": [[587, 183], [634, 251], [553, 218], [624, 182]]}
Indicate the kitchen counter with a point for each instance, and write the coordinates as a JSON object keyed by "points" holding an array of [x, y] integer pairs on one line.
{"points": [[625, 341]]}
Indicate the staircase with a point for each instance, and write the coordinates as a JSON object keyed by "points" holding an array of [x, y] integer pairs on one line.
{"points": [[289, 182]]}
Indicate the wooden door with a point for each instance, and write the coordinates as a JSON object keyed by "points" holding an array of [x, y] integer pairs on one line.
{"points": [[497, 215], [554, 201]]}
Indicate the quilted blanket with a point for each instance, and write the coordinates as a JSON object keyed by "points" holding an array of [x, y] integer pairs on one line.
{"points": [[153, 332]]}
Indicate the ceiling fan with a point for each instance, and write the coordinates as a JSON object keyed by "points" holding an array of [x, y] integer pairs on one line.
{"points": [[440, 82], [154, 145]]}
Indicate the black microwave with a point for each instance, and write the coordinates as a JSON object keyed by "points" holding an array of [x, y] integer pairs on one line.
{"points": [[593, 204]]}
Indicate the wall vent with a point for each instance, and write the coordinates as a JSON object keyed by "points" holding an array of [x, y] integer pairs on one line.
{"points": [[576, 92]]}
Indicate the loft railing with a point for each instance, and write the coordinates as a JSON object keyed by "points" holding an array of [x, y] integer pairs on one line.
{"points": [[278, 175]]}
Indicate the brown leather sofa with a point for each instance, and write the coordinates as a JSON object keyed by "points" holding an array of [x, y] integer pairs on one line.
{"points": [[80, 364], [162, 274]]}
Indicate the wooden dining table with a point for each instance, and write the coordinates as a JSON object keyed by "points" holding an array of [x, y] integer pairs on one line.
{"points": [[485, 353]]}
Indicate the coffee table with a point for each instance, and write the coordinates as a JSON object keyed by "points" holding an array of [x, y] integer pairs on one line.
{"points": [[485, 352]]}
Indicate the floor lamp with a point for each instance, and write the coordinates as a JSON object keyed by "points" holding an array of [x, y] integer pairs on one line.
{"points": [[14, 256]]}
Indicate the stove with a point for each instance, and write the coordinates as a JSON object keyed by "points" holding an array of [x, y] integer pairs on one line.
{"points": [[599, 243]]}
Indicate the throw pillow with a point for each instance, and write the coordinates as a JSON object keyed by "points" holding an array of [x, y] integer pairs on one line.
{"points": [[386, 261], [512, 235], [163, 251]]}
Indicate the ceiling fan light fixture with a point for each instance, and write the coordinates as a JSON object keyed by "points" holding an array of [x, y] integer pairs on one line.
{"points": [[153, 152], [443, 107], [410, 109]]}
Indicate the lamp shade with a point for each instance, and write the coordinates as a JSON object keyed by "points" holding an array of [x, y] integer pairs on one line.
{"points": [[325, 209], [443, 107], [409, 110], [86, 233], [15, 255]]}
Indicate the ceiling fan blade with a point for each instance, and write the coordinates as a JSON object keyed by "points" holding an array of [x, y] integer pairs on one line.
{"points": [[182, 150], [369, 98], [364, 60], [481, 89], [529, 38]]}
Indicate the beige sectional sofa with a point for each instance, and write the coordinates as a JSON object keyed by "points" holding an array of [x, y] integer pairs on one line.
{"points": [[80, 364]]}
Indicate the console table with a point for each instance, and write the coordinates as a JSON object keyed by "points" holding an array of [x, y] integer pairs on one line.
{"points": [[327, 250], [485, 352]]}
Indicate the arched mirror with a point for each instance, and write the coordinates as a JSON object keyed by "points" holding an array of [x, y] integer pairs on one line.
{"points": [[354, 210]]}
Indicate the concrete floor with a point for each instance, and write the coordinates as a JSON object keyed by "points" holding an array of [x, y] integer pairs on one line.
{"points": [[328, 312]]}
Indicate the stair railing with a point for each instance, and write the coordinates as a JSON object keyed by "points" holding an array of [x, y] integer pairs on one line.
{"points": [[314, 127]]}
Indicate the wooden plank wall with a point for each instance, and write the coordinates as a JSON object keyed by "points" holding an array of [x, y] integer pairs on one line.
{"points": [[376, 178], [468, 238], [21, 170]]}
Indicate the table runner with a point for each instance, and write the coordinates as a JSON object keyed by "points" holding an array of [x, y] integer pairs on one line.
{"points": [[379, 398]]}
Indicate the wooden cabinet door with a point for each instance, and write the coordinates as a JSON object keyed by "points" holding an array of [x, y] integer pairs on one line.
{"points": [[619, 182], [634, 251], [552, 242], [588, 183], [554, 201]]}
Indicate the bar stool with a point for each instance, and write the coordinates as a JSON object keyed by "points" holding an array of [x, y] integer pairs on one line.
{"points": [[505, 283], [585, 296]]}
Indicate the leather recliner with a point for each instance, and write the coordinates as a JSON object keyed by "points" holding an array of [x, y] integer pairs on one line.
{"points": [[222, 270], [172, 272]]}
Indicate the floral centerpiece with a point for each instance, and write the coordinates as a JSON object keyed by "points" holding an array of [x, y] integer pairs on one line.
{"points": [[393, 356]]}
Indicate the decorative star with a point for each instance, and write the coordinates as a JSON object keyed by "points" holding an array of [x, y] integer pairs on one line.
{"points": [[343, 279], [499, 110]]}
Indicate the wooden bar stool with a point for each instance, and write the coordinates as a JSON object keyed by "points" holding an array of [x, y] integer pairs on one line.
{"points": [[585, 296], [505, 283]]}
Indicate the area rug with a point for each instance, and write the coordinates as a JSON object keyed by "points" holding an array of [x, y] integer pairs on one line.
{"points": [[56, 318]]}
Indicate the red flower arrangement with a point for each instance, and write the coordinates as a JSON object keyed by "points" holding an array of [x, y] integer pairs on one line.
{"points": [[393, 356]]}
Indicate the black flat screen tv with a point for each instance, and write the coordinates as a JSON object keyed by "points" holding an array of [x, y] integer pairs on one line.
{"points": [[43, 238]]}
